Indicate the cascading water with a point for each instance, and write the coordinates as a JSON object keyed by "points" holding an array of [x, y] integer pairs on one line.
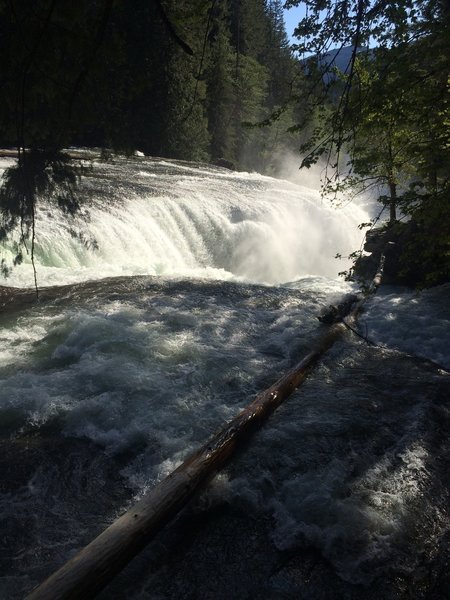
{"points": [[191, 289], [163, 218]]}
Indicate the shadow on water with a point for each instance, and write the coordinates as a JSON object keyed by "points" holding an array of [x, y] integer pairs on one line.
{"points": [[342, 542], [343, 494], [372, 512]]}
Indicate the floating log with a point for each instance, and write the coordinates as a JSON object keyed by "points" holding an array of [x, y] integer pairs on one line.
{"points": [[87, 573]]}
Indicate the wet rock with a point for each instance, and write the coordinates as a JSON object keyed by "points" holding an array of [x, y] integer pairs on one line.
{"points": [[227, 164], [392, 241]]}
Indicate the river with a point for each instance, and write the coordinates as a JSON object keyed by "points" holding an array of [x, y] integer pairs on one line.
{"points": [[177, 294]]}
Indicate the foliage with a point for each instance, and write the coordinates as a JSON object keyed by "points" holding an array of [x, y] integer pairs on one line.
{"points": [[384, 121], [38, 174]]}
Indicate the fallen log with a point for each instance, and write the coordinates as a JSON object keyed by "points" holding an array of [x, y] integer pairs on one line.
{"points": [[336, 312], [94, 566], [87, 573]]}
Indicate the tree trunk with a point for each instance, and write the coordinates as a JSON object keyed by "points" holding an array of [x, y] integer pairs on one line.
{"points": [[392, 202]]}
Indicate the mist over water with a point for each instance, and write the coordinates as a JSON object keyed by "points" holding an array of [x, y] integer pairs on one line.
{"points": [[191, 290]]}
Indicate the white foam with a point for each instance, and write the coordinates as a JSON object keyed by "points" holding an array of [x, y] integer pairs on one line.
{"points": [[413, 322], [245, 226], [343, 465]]}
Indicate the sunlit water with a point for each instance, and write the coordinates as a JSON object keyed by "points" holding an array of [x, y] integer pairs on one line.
{"points": [[203, 290], [161, 218]]}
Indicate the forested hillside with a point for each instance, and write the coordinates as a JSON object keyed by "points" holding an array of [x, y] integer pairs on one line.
{"points": [[172, 78]]}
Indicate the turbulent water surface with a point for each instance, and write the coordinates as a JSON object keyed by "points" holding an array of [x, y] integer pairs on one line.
{"points": [[182, 292]]}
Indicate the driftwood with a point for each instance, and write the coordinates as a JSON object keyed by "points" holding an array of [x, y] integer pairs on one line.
{"points": [[87, 573]]}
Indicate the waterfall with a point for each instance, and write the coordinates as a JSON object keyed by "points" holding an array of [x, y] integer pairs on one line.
{"points": [[107, 385], [155, 217]]}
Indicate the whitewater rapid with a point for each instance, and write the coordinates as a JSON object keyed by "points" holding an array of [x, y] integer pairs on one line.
{"points": [[181, 293]]}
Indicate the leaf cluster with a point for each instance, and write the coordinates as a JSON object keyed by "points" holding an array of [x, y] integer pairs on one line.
{"points": [[37, 175], [382, 120]]}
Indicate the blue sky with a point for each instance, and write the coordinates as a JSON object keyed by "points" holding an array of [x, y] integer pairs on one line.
{"points": [[292, 18]]}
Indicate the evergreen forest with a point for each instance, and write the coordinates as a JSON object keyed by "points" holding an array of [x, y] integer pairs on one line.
{"points": [[172, 79]]}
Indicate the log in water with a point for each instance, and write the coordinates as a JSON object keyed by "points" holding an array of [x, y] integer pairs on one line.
{"points": [[138, 370], [92, 568]]}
